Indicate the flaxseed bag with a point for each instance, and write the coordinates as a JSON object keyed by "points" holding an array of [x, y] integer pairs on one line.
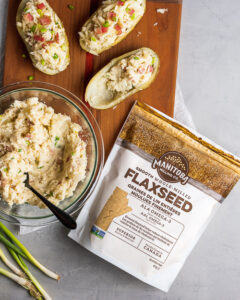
{"points": [[159, 189]]}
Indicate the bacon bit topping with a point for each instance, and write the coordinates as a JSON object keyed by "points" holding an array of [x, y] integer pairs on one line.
{"points": [[38, 38], [150, 69], [98, 30], [141, 70], [112, 16], [67, 160], [45, 20], [28, 17], [50, 42], [57, 37], [104, 29], [41, 6], [131, 12], [83, 136], [29, 136], [118, 28], [120, 3]]}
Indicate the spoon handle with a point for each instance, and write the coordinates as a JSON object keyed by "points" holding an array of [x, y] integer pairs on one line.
{"points": [[62, 216]]}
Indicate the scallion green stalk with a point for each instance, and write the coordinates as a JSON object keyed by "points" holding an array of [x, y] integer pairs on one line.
{"points": [[7, 243], [10, 265], [22, 281], [27, 254], [24, 267]]}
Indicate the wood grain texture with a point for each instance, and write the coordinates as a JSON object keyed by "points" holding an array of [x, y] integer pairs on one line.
{"points": [[157, 31]]}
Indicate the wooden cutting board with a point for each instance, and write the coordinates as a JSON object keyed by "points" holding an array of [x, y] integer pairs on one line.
{"points": [[156, 30]]}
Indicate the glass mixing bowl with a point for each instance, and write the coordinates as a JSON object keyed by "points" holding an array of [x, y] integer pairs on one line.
{"points": [[62, 101]]}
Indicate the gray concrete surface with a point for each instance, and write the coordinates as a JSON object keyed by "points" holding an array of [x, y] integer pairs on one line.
{"points": [[209, 65]]}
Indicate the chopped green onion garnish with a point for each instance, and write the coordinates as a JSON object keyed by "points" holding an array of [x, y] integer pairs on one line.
{"points": [[42, 62], [19, 150], [26, 9], [73, 153], [133, 16], [57, 138], [106, 24], [127, 9], [5, 169], [12, 158], [40, 12], [19, 171], [114, 19], [93, 38], [30, 77], [33, 28], [24, 55], [55, 56], [153, 60], [27, 142], [43, 30], [136, 57], [40, 167], [70, 6]]}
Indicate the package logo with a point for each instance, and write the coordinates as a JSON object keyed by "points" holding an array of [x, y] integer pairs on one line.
{"points": [[172, 167]]}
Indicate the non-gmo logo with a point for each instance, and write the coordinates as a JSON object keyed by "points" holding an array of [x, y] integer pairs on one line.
{"points": [[172, 167]]}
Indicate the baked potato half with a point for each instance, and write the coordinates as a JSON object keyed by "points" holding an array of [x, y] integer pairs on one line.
{"points": [[122, 77], [110, 24], [44, 36]]}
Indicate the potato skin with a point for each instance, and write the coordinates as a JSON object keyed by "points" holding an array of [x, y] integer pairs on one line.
{"points": [[87, 49], [29, 48], [92, 88]]}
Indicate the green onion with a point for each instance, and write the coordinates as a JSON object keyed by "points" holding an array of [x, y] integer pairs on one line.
{"points": [[132, 16], [93, 39], [5, 170], [55, 56], [106, 24], [42, 62], [24, 267], [70, 6], [26, 9], [40, 167], [127, 9], [57, 138], [30, 77], [19, 171], [43, 30], [21, 281], [11, 245], [73, 153], [10, 265], [27, 142], [33, 28], [136, 57], [24, 252], [24, 55], [153, 60], [40, 12], [19, 150], [12, 158]]}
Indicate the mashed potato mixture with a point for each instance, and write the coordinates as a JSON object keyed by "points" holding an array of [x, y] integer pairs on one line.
{"points": [[34, 139]]}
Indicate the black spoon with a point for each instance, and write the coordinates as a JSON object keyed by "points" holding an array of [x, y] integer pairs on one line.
{"points": [[62, 216]]}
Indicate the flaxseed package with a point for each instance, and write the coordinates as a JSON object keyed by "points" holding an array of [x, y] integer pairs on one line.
{"points": [[160, 187]]}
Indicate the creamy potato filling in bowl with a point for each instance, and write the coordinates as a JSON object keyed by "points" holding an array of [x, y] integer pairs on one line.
{"points": [[49, 133]]}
